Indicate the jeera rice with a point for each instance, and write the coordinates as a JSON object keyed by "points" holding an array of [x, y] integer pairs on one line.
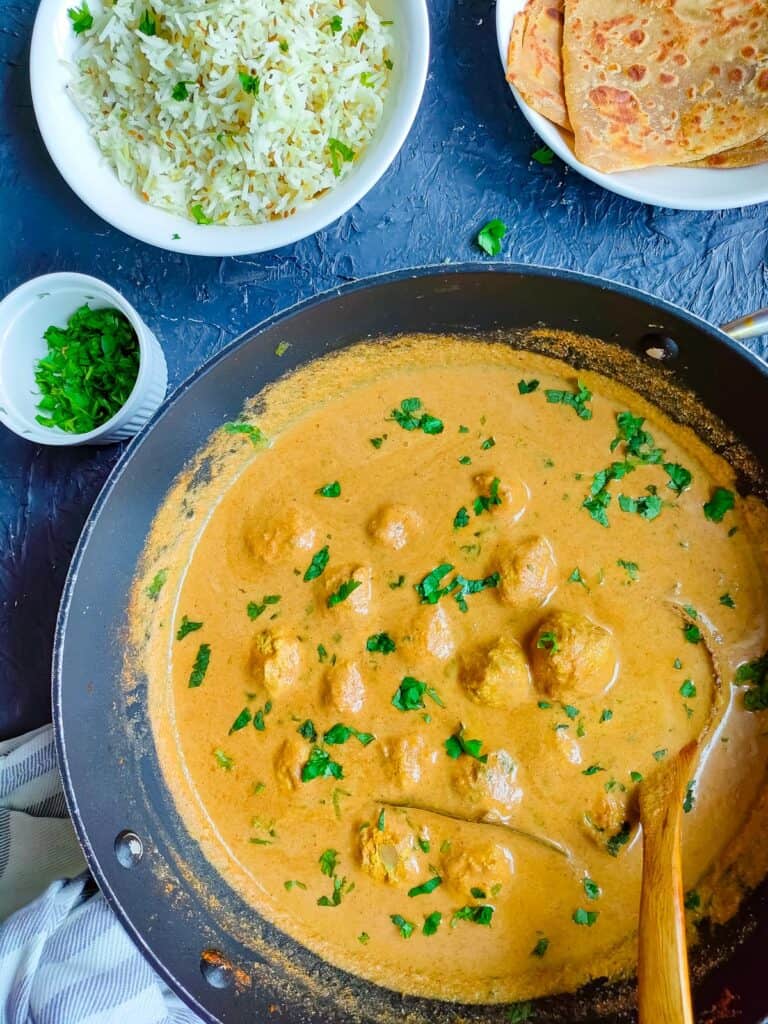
{"points": [[231, 111]]}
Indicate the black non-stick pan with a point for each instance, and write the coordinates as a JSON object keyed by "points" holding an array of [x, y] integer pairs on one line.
{"points": [[145, 863]]}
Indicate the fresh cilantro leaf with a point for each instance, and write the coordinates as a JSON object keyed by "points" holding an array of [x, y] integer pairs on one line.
{"points": [[180, 92], [339, 152], [679, 477], [690, 798], [307, 730], [688, 689], [200, 667], [647, 506], [432, 922], [576, 400], [543, 155], [409, 696], [199, 214], [585, 917], [241, 721], [81, 18], [576, 577], [606, 715], [593, 769], [591, 889], [547, 641], [320, 765], [456, 745], [722, 501], [541, 947], [293, 884], [317, 565], [250, 83], [224, 761], [255, 610], [157, 584], [636, 776], [380, 643], [632, 569], [254, 435], [330, 490], [727, 600], [148, 23], [520, 1012], [187, 627], [339, 734], [481, 914], [336, 24], [692, 900], [526, 387], [754, 675], [619, 839], [404, 927], [489, 442], [426, 887], [347, 587], [490, 237], [461, 519], [258, 719]]}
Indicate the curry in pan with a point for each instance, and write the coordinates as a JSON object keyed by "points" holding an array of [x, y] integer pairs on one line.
{"points": [[441, 612]]}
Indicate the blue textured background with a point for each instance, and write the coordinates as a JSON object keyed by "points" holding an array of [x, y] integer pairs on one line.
{"points": [[467, 159]]}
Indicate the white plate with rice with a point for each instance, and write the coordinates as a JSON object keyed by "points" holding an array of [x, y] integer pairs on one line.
{"points": [[225, 127]]}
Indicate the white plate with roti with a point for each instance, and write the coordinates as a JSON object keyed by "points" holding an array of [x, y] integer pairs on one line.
{"points": [[663, 104]]}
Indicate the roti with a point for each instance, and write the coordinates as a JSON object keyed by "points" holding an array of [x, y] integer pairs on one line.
{"points": [[659, 82], [535, 60], [744, 156]]}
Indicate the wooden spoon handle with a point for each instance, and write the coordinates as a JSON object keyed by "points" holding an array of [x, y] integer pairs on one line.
{"points": [[664, 991]]}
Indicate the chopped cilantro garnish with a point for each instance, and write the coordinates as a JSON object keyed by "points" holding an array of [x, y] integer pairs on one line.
{"points": [[317, 565], [692, 900], [631, 568], [639, 443], [404, 927], [679, 477], [636, 776], [593, 769], [485, 502], [380, 643], [409, 696], [380, 821], [543, 155], [688, 689], [201, 217], [396, 584], [307, 730], [355, 34], [727, 600], [336, 24], [200, 667], [429, 589], [187, 627], [541, 947], [591, 889], [320, 765], [81, 18], [489, 442], [250, 83], [339, 152], [456, 745], [339, 734], [157, 584], [722, 501], [340, 888], [88, 371], [322, 654], [432, 922], [224, 761], [576, 577], [571, 711], [526, 387], [148, 24], [328, 861], [585, 917], [647, 506], [576, 400], [659, 755], [424, 844], [599, 497], [254, 435], [241, 721], [754, 674], [293, 884], [426, 887], [619, 839], [363, 938], [690, 799], [518, 1013], [481, 914], [377, 442], [255, 610], [606, 715], [347, 587], [477, 893], [490, 236], [461, 519], [330, 490], [404, 417], [258, 719], [547, 641], [180, 92], [692, 633], [282, 347], [465, 460]]}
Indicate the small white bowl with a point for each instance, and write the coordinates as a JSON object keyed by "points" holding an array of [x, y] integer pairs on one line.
{"points": [[25, 314], [678, 188], [78, 158]]}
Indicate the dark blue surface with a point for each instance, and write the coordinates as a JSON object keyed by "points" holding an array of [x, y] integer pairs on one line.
{"points": [[467, 160]]}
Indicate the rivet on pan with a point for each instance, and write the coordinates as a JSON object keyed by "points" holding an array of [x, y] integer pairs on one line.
{"points": [[216, 969], [659, 347], [129, 849]]}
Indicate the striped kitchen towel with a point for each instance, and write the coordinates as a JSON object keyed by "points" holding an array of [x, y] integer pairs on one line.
{"points": [[64, 958]]}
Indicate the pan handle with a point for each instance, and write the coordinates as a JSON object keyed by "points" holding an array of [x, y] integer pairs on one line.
{"points": [[752, 326]]}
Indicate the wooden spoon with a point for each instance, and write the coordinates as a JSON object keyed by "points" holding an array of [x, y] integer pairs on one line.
{"points": [[664, 990], [663, 984]]}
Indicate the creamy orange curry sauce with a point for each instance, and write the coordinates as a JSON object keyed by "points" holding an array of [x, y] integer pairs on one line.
{"points": [[425, 643]]}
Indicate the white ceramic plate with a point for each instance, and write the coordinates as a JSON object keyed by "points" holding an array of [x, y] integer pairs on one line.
{"points": [[678, 188], [65, 133]]}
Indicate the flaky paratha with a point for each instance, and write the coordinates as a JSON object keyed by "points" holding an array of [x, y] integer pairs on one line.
{"points": [[743, 156], [656, 82], [534, 60]]}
